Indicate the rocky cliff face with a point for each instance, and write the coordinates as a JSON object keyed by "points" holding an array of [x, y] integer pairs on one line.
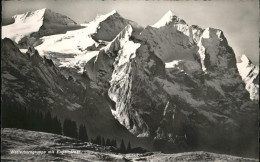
{"points": [[199, 94], [29, 78]]}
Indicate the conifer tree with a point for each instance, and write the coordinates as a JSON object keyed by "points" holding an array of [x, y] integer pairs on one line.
{"points": [[57, 126], [108, 143], [48, 125], [103, 143], [114, 143], [98, 140], [70, 128], [83, 136], [74, 130], [122, 146], [128, 147], [66, 129]]}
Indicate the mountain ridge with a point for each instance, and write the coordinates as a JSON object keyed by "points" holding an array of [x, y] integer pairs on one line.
{"points": [[158, 83], [148, 92]]}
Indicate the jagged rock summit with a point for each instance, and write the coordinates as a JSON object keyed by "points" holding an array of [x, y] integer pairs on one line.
{"points": [[112, 25], [192, 43]]}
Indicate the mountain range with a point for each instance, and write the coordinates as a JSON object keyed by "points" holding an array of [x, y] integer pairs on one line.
{"points": [[150, 85]]}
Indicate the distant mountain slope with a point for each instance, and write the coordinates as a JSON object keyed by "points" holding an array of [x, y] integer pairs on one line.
{"points": [[68, 149]]}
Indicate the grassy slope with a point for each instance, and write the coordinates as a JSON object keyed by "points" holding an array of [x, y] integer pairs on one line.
{"points": [[24, 140]]}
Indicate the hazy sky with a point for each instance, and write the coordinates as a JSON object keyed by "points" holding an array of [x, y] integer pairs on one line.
{"points": [[238, 19]]}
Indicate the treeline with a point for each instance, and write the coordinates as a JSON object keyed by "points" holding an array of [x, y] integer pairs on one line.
{"points": [[108, 142], [70, 130], [16, 116]]}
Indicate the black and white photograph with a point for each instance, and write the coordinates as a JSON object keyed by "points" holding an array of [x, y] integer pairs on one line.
{"points": [[130, 81]]}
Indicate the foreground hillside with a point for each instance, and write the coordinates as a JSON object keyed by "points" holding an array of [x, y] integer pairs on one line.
{"points": [[33, 146]]}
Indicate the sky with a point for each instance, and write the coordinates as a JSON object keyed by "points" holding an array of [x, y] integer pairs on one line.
{"points": [[238, 19]]}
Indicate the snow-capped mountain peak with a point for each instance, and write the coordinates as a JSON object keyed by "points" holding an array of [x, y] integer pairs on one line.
{"points": [[250, 75], [40, 22], [100, 18], [113, 12], [83, 43], [24, 25], [166, 19], [30, 16], [75, 41], [245, 60], [244, 67]]}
